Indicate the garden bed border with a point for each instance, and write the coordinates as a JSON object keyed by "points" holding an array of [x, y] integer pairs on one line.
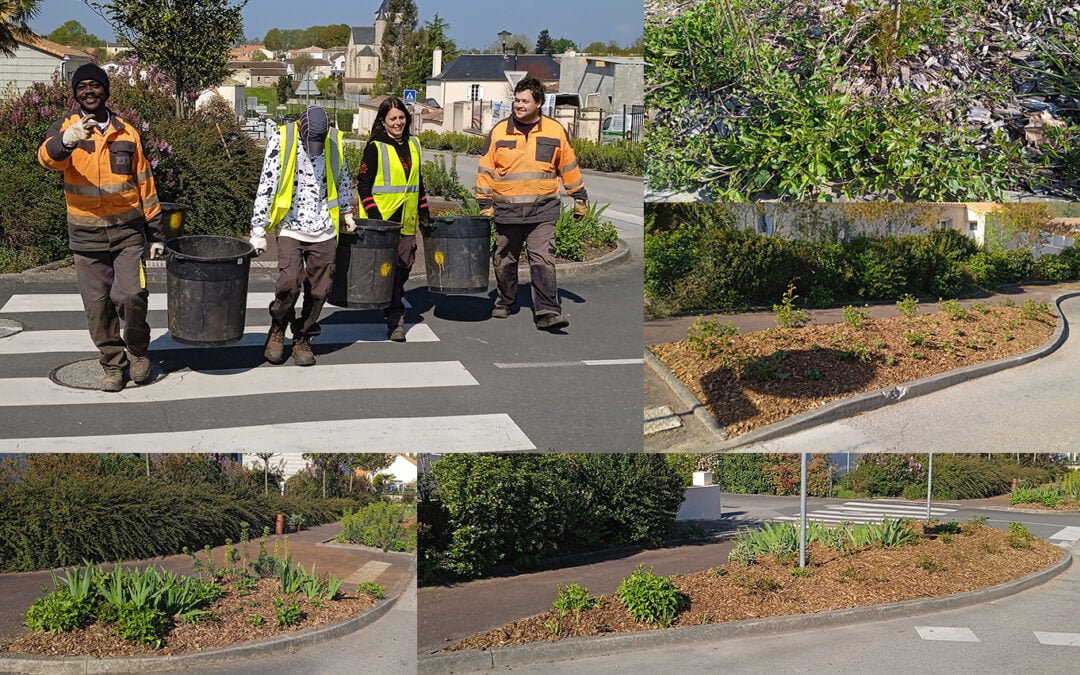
{"points": [[859, 403], [474, 660], [33, 664]]}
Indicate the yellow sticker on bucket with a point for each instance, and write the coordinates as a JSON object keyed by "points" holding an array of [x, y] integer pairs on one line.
{"points": [[385, 269], [174, 220], [439, 258]]}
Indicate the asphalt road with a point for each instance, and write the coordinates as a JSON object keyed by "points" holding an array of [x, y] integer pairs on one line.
{"points": [[463, 382]]}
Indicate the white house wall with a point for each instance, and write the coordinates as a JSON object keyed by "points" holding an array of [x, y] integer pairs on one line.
{"points": [[28, 66]]}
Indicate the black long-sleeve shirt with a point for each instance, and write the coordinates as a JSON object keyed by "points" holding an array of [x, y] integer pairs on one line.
{"points": [[369, 167]]}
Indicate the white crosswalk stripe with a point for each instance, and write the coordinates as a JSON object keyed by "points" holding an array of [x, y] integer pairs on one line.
{"points": [[870, 512], [486, 430], [473, 433], [1066, 537]]}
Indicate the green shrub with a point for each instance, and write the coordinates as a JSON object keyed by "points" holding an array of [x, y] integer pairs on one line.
{"points": [[443, 182], [856, 318], [1019, 536], [370, 588], [381, 525], [787, 316], [884, 475], [572, 236], [908, 306], [1032, 310], [287, 613], [1048, 497], [621, 157], [710, 338], [517, 509], [779, 540], [888, 533], [1052, 267], [953, 309], [573, 597], [669, 257], [650, 598], [142, 624], [58, 612]]}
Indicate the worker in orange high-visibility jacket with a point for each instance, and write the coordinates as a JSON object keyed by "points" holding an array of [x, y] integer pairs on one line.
{"points": [[112, 212], [526, 157]]}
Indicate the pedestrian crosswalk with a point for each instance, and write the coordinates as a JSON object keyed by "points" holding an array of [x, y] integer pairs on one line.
{"points": [[870, 512], [63, 333]]}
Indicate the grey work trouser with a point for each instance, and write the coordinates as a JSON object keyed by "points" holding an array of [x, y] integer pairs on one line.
{"points": [[540, 238], [303, 267], [113, 289]]}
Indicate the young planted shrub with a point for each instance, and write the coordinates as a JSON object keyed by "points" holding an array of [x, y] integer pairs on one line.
{"points": [[573, 597], [650, 598]]}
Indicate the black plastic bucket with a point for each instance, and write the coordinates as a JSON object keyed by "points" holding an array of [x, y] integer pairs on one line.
{"points": [[365, 265], [207, 289], [457, 253], [172, 219]]}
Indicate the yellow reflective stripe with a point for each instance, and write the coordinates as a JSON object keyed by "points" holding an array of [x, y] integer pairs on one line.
{"points": [[142, 275], [96, 221], [381, 190], [99, 190]]}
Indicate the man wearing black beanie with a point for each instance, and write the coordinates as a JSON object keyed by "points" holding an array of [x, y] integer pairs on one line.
{"points": [[112, 212]]}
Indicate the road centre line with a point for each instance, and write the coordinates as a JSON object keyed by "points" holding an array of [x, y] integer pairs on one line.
{"points": [[1060, 639], [471, 433], [188, 385], [572, 364]]}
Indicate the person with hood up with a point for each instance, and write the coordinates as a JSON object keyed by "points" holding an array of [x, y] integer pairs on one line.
{"points": [[304, 192]]}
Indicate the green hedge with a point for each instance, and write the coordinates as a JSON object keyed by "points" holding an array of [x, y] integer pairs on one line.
{"points": [[714, 266], [52, 521], [622, 157], [518, 509]]}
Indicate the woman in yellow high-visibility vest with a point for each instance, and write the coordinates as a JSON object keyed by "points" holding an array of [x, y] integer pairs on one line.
{"points": [[391, 188]]}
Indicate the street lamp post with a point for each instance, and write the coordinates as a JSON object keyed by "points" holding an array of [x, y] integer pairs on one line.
{"points": [[503, 35]]}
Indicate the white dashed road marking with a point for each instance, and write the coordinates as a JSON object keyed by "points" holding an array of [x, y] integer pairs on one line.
{"points": [[946, 633]]}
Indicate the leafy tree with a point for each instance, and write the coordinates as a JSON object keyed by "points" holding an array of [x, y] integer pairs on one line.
{"points": [[562, 44], [285, 89], [366, 461], [544, 44], [73, 34], [259, 56], [303, 65], [274, 40], [599, 47], [189, 41], [435, 33], [15, 16], [328, 86], [336, 35], [400, 43]]}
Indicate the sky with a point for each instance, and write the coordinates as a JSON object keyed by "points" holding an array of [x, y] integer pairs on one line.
{"points": [[473, 23]]}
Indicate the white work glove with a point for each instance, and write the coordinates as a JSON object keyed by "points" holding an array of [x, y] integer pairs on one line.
{"points": [[259, 243], [79, 131], [349, 225], [157, 251]]}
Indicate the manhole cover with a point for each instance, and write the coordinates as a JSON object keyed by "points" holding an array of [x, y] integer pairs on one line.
{"points": [[9, 327], [87, 373]]}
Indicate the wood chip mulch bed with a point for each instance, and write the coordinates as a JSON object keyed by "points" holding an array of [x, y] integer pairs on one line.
{"points": [[228, 627], [838, 581], [809, 366]]}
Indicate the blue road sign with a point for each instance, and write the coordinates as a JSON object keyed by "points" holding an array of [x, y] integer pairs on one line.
{"points": [[410, 97]]}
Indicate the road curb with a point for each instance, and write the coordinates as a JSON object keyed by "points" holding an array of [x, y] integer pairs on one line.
{"points": [[685, 396], [575, 648], [879, 398], [46, 665]]}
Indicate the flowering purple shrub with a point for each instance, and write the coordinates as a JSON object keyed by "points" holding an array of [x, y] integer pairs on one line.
{"points": [[885, 475]]}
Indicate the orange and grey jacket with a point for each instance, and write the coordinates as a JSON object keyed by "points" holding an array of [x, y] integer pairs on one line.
{"points": [[520, 174], [111, 200]]}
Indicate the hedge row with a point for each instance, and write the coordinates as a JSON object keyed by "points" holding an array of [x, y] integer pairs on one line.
{"points": [[518, 509], [622, 157], [53, 521], [723, 269]]}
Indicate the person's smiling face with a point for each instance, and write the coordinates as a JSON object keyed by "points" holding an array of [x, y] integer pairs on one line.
{"points": [[395, 122], [91, 95]]}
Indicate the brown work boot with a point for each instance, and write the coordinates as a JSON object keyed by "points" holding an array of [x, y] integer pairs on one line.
{"points": [[275, 346], [395, 333], [140, 369], [113, 380], [552, 321], [301, 352]]}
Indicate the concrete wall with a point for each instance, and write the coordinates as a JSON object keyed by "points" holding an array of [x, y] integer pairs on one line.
{"points": [[607, 84]]}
